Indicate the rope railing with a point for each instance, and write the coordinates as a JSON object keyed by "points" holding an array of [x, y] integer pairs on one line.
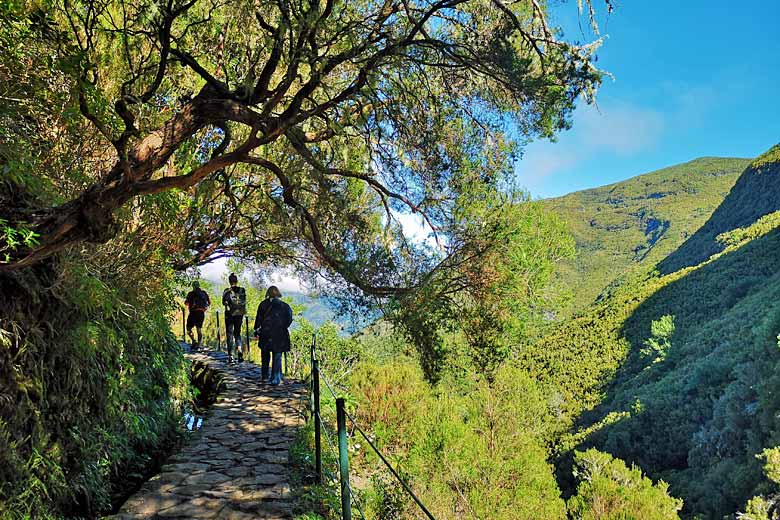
{"points": [[390, 467], [347, 496]]}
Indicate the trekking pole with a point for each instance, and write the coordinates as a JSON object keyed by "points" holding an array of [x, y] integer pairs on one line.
{"points": [[341, 421], [315, 378], [219, 336]]}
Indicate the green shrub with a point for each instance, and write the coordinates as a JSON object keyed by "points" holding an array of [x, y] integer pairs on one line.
{"points": [[388, 397], [608, 490], [478, 454]]}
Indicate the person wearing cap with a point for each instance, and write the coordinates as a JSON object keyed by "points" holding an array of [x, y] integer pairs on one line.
{"points": [[198, 302]]}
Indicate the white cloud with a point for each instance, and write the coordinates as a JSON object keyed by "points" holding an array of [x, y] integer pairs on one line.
{"points": [[217, 272], [622, 129], [539, 164], [413, 226], [618, 129], [416, 229], [286, 282]]}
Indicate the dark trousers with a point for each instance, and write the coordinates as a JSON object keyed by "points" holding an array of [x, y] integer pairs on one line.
{"points": [[195, 320], [265, 357], [233, 331]]}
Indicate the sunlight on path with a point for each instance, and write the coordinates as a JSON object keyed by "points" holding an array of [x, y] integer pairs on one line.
{"points": [[236, 467]]}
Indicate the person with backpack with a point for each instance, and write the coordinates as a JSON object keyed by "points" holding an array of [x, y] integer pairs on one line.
{"points": [[272, 328], [234, 300], [197, 301]]}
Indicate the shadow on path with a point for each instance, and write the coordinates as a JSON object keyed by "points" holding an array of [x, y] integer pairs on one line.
{"points": [[237, 466]]}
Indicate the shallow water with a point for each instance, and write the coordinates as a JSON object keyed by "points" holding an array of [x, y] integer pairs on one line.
{"points": [[192, 421]]}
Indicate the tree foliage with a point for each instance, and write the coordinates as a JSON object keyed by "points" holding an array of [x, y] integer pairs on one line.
{"points": [[297, 129], [499, 290]]}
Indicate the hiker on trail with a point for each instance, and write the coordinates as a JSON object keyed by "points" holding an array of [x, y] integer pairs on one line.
{"points": [[234, 300], [197, 301], [271, 326]]}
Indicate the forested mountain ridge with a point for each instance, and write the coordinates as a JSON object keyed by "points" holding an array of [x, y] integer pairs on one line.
{"points": [[639, 221], [684, 365]]}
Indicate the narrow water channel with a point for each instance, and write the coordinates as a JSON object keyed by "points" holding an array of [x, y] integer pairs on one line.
{"points": [[207, 385]]}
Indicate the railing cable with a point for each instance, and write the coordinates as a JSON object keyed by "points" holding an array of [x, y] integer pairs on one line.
{"points": [[328, 385], [390, 467], [355, 424]]}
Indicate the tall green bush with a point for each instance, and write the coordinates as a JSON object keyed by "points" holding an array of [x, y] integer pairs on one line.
{"points": [[608, 490]]}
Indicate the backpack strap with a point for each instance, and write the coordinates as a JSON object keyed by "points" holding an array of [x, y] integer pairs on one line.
{"points": [[267, 310]]}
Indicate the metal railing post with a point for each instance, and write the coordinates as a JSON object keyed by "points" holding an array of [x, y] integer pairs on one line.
{"points": [[248, 345], [341, 421], [219, 334], [311, 366], [315, 377]]}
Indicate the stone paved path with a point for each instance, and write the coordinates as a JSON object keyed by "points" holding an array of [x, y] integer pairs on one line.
{"points": [[236, 466]]}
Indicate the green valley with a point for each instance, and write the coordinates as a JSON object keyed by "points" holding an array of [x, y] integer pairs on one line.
{"points": [[697, 414]]}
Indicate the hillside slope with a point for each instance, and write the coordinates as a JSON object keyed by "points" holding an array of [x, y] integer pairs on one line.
{"points": [[754, 194], [636, 223], [686, 365]]}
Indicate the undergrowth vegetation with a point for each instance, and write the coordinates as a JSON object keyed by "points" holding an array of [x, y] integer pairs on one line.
{"points": [[91, 387], [657, 401], [469, 447]]}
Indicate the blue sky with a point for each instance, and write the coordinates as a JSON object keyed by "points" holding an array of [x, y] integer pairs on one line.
{"points": [[692, 78]]}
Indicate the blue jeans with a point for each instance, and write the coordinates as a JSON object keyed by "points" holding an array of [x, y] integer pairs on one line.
{"points": [[276, 369]]}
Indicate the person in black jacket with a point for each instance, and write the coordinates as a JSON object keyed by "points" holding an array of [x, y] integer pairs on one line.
{"points": [[272, 328]]}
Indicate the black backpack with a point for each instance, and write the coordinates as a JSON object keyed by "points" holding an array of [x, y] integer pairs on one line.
{"points": [[200, 299], [272, 320], [236, 301]]}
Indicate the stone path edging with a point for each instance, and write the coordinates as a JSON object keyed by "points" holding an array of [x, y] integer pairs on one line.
{"points": [[237, 466]]}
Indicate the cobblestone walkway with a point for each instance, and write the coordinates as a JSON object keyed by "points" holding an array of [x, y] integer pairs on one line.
{"points": [[236, 466]]}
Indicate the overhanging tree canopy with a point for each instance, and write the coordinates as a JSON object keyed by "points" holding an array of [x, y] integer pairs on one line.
{"points": [[320, 119]]}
